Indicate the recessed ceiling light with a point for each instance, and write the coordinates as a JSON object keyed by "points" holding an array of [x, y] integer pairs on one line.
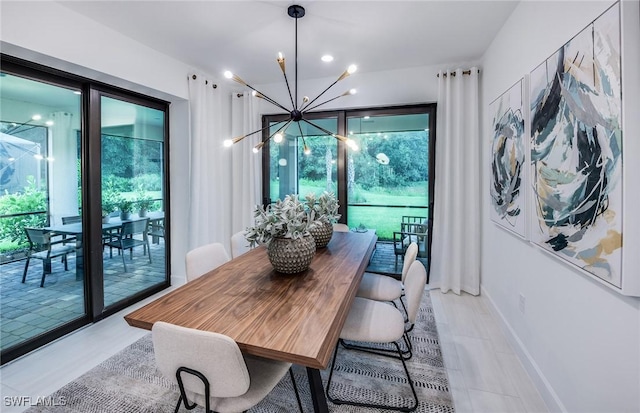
{"points": [[327, 58]]}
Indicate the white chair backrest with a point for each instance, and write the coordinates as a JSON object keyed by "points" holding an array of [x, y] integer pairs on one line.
{"points": [[414, 288], [239, 244], [409, 257], [340, 227], [204, 259], [214, 355]]}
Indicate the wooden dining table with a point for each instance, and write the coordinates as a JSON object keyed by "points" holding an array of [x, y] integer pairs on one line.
{"points": [[294, 318]]}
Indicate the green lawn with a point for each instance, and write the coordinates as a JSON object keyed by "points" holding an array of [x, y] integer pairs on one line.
{"points": [[385, 220]]}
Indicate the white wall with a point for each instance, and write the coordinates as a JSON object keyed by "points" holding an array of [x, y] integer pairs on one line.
{"points": [[384, 88], [53, 35], [578, 338]]}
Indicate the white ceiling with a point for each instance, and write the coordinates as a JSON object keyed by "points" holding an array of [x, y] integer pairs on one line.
{"points": [[245, 36]]}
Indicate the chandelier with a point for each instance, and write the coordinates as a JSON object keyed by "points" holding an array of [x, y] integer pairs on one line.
{"points": [[297, 111]]}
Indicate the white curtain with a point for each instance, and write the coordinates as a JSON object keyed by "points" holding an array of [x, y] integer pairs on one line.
{"points": [[210, 167], [246, 171], [455, 252]]}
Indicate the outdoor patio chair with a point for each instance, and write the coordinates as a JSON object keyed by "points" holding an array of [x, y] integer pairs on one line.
{"points": [[41, 247], [70, 220], [126, 239], [412, 229], [156, 230]]}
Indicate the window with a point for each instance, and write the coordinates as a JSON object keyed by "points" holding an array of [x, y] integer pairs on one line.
{"points": [[390, 176]]}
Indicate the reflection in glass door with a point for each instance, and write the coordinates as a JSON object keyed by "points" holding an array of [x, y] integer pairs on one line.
{"points": [[42, 289], [389, 177], [302, 163], [133, 223]]}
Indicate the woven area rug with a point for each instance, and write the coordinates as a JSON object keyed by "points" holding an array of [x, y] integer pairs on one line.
{"points": [[129, 381]]}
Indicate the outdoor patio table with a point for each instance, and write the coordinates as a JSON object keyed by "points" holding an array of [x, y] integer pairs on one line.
{"points": [[76, 229]]}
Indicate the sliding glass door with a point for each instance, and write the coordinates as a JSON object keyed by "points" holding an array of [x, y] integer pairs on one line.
{"points": [[389, 176], [42, 277], [75, 155], [132, 143]]}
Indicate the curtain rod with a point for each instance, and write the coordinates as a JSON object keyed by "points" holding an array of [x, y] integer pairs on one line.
{"points": [[206, 82], [464, 72]]}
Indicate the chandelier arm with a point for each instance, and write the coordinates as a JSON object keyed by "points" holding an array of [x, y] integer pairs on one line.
{"points": [[238, 139], [267, 98], [305, 148], [323, 103], [317, 97], [338, 137], [282, 129]]}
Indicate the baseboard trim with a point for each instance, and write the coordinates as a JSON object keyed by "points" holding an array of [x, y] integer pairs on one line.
{"points": [[550, 397]]}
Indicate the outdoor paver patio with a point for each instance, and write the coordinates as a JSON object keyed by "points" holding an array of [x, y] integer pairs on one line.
{"points": [[27, 310], [383, 260]]}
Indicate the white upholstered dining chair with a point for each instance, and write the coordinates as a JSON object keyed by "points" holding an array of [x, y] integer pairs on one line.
{"points": [[338, 227], [384, 288], [203, 259], [211, 371], [378, 322], [239, 244]]}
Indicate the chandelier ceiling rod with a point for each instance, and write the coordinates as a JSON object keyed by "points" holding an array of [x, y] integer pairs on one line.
{"points": [[298, 110]]}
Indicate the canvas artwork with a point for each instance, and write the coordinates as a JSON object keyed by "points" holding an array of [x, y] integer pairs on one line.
{"points": [[576, 150], [508, 151]]}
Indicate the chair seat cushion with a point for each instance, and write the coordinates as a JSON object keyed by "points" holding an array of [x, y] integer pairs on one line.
{"points": [[56, 251], [265, 375], [372, 321], [126, 243], [379, 287]]}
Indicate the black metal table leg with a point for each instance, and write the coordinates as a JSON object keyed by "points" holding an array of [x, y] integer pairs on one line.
{"points": [[317, 391]]}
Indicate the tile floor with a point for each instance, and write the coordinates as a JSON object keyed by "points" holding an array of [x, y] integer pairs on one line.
{"points": [[484, 373]]}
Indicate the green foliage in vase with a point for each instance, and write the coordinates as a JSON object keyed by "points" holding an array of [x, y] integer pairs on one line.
{"points": [[143, 200], [125, 205], [325, 208], [287, 218]]}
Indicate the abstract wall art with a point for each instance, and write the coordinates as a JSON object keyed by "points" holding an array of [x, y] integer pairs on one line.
{"points": [[508, 160], [576, 150]]}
